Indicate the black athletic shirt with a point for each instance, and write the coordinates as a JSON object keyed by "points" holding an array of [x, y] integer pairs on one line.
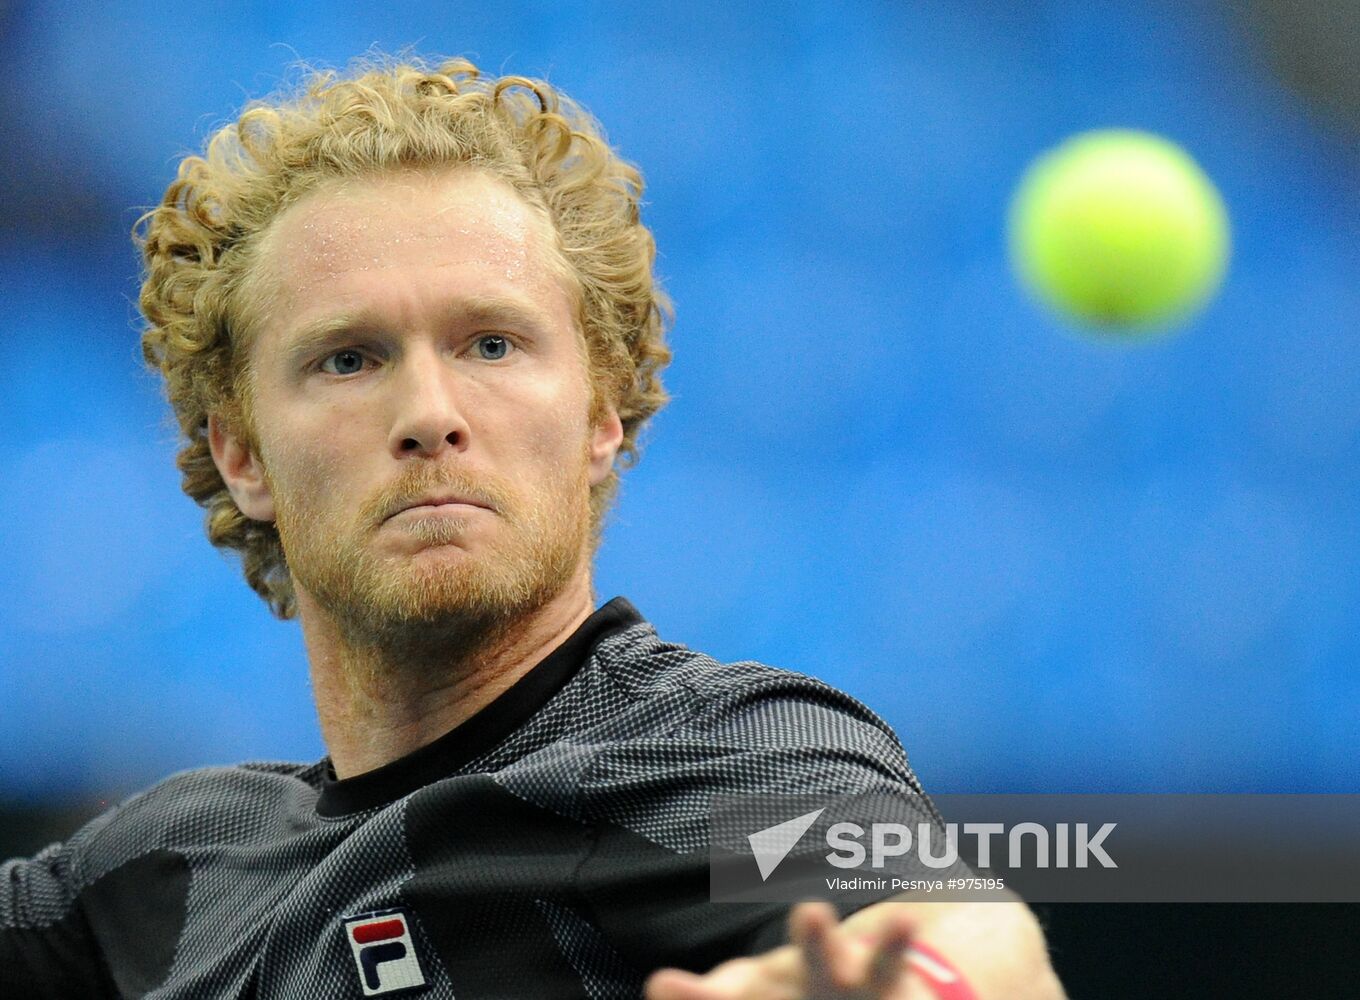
{"points": [[553, 845]]}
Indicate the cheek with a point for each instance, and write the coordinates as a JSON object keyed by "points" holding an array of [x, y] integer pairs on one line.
{"points": [[307, 468], [558, 436]]}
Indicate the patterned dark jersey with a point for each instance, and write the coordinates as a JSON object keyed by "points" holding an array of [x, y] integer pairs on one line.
{"points": [[553, 845]]}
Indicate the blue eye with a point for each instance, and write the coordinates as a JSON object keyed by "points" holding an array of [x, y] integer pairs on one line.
{"points": [[347, 362], [492, 347]]}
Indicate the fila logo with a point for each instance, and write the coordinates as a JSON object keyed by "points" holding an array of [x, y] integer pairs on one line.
{"points": [[384, 952]]}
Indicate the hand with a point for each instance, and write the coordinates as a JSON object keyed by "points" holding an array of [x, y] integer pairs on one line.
{"points": [[825, 962]]}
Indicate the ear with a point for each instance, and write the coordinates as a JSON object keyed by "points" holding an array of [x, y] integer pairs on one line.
{"points": [[604, 445], [241, 470]]}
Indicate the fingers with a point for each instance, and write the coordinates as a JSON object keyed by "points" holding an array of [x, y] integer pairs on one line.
{"points": [[813, 928], [839, 966], [825, 962], [738, 979], [887, 967], [676, 984]]}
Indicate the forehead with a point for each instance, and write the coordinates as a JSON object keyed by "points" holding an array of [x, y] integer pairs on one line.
{"points": [[371, 243]]}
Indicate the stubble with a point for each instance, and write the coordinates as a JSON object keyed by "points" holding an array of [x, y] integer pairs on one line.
{"points": [[434, 608]]}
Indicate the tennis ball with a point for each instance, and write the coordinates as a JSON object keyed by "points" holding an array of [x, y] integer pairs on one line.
{"points": [[1120, 230]]}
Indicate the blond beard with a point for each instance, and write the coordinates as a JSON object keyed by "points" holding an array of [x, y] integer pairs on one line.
{"points": [[408, 615]]}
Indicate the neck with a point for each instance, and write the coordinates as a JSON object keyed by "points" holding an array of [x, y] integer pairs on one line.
{"points": [[374, 707]]}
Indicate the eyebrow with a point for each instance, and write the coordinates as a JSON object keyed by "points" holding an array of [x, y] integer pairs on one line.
{"points": [[474, 309]]}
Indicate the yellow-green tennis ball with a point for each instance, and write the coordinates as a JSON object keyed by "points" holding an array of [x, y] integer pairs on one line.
{"points": [[1120, 230]]}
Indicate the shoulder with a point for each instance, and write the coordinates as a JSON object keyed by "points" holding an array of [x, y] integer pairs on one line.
{"points": [[190, 808], [205, 791], [677, 706], [710, 692]]}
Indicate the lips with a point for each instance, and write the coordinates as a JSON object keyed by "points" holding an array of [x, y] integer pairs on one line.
{"points": [[440, 500]]}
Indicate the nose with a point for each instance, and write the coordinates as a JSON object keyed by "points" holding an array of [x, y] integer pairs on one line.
{"points": [[429, 419]]}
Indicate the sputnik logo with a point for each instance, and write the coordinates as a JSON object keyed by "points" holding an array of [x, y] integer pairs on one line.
{"points": [[384, 952], [772, 844]]}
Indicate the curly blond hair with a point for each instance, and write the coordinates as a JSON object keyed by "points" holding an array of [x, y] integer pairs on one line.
{"points": [[200, 244]]}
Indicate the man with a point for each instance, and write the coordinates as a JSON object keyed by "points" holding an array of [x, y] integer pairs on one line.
{"points": [[408, 324]]}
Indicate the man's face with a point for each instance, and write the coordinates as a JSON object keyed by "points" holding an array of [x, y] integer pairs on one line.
{"points": [[421, 348]]}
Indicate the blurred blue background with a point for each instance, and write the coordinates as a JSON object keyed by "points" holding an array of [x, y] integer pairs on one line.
{"points": [[1052, 563]]}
